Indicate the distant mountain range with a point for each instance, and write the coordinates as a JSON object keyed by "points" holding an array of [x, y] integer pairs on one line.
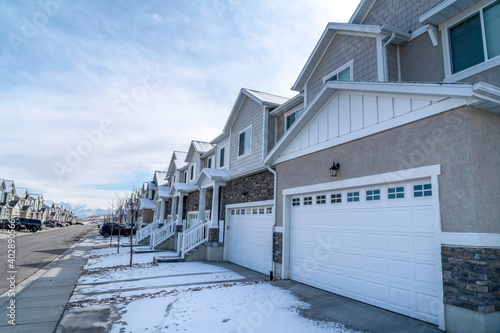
{"points": [[84, 210]]}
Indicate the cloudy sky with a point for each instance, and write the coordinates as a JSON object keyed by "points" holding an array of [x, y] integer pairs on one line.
{"points": [[95, 95]]}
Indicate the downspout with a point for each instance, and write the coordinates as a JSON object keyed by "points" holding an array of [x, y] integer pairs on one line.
{"points": [[274, 222], [384, 50]]}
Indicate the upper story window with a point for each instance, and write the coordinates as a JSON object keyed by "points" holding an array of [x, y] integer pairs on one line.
{"points": [[343, 73], [209, 163], [221, 158], [245, 142], [475, 40], [185, 176], [291, 117], [192, 172]]}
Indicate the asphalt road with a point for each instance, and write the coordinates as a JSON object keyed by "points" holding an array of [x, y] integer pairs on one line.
{"points": [[35, 250]]}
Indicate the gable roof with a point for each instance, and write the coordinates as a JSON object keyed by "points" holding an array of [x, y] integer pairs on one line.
{"points": [[480, 95], [146, 203], [176, 162], [199, 147], [361, 11], [159, 178], [259, 97], [331, 30], [290, 104], [213, 175], [164, 191], [182, 187]]}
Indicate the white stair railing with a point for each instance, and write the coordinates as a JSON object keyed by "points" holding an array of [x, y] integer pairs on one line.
{"points": [[145, 231], [194, 237], [162, 234]]}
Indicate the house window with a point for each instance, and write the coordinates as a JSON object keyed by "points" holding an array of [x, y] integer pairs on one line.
{"points": [[245, 141], [343, 73], [320, 199], [476, 39], [372, 195], [185, 176], [396, 193], [336, 198], [308, 201], [192, 172], [290, 119], [221, 160], [296, 202], [424, 190], [352, 196], [209, 163]]}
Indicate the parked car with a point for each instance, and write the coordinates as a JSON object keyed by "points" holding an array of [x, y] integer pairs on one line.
{"points": [[60, 223], [5, 224], [80, 223], [49, 224], [32, 225], [108, 229]]}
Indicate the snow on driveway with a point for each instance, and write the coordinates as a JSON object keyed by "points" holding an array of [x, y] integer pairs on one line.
{"points": [[236, 308]]}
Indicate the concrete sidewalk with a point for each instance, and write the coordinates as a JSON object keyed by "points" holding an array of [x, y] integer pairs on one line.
{"points": [[41, 299]]}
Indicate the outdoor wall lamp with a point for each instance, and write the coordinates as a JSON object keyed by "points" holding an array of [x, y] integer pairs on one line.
{"points": [[244, 194], [334, 168]]}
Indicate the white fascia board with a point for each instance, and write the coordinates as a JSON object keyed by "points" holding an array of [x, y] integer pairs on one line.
{"points": [[486, 91], [234, 110], [363, 9], [219, 138], [288, 105], [444, 11], [384, 178]]}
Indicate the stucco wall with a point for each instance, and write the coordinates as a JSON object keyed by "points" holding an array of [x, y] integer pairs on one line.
{"points": [[466, 142], [251, 113], [491, 76], [421, 61], [342, 49], [401, 14]]}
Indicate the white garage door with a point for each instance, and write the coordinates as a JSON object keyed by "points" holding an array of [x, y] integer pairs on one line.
{"points": [[249, 237], [376, 245]]}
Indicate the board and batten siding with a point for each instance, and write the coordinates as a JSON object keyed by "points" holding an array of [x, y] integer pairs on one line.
{"points": [[251, 113], [346, 113], [343, 49]]}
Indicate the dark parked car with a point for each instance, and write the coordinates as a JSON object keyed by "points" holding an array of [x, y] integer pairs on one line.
{"points": [[32, 225], [108, 229], [5, 224], [49, 224]]}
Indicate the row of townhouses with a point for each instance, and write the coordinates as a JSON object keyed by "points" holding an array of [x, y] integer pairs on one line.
{"points": [[18, 202], [378, 181]]}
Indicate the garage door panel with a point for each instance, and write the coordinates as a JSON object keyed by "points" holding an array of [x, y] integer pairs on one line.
{"points": [[249, 238], [382, 252]]}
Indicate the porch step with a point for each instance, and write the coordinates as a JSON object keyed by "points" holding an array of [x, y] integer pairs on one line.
{"points": [[147, 249], [167, 259]]}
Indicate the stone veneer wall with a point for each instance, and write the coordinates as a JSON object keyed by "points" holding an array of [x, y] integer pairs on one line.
{"points": [[278, 247], [192, 201], [260, 187], [471, 277]]}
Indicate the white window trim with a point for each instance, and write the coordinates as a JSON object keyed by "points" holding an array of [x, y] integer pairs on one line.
{"points": [[226, 158], [251, 137], [445, 28], [350, 64], [292, 111]]}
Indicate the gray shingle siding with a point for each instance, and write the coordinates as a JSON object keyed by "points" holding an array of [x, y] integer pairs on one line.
{"points": [[392, 62], [249, 114], [401, 14], [343, 49]]}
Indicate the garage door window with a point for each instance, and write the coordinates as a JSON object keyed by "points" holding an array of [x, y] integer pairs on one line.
{"points": [[269, 210], [372, 195], [261, 211], [308, 201], [320, 199], [352, 196], [396, 192], [295, 202], [336, 198], [423, 190]]}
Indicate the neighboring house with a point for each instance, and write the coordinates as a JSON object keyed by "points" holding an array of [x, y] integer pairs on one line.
{"points": [[408, 218]]}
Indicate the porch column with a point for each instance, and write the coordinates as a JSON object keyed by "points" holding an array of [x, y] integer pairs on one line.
{"points": [[201, 205], [215, 207], [162, 210], [174, 206], [181, 202]]}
